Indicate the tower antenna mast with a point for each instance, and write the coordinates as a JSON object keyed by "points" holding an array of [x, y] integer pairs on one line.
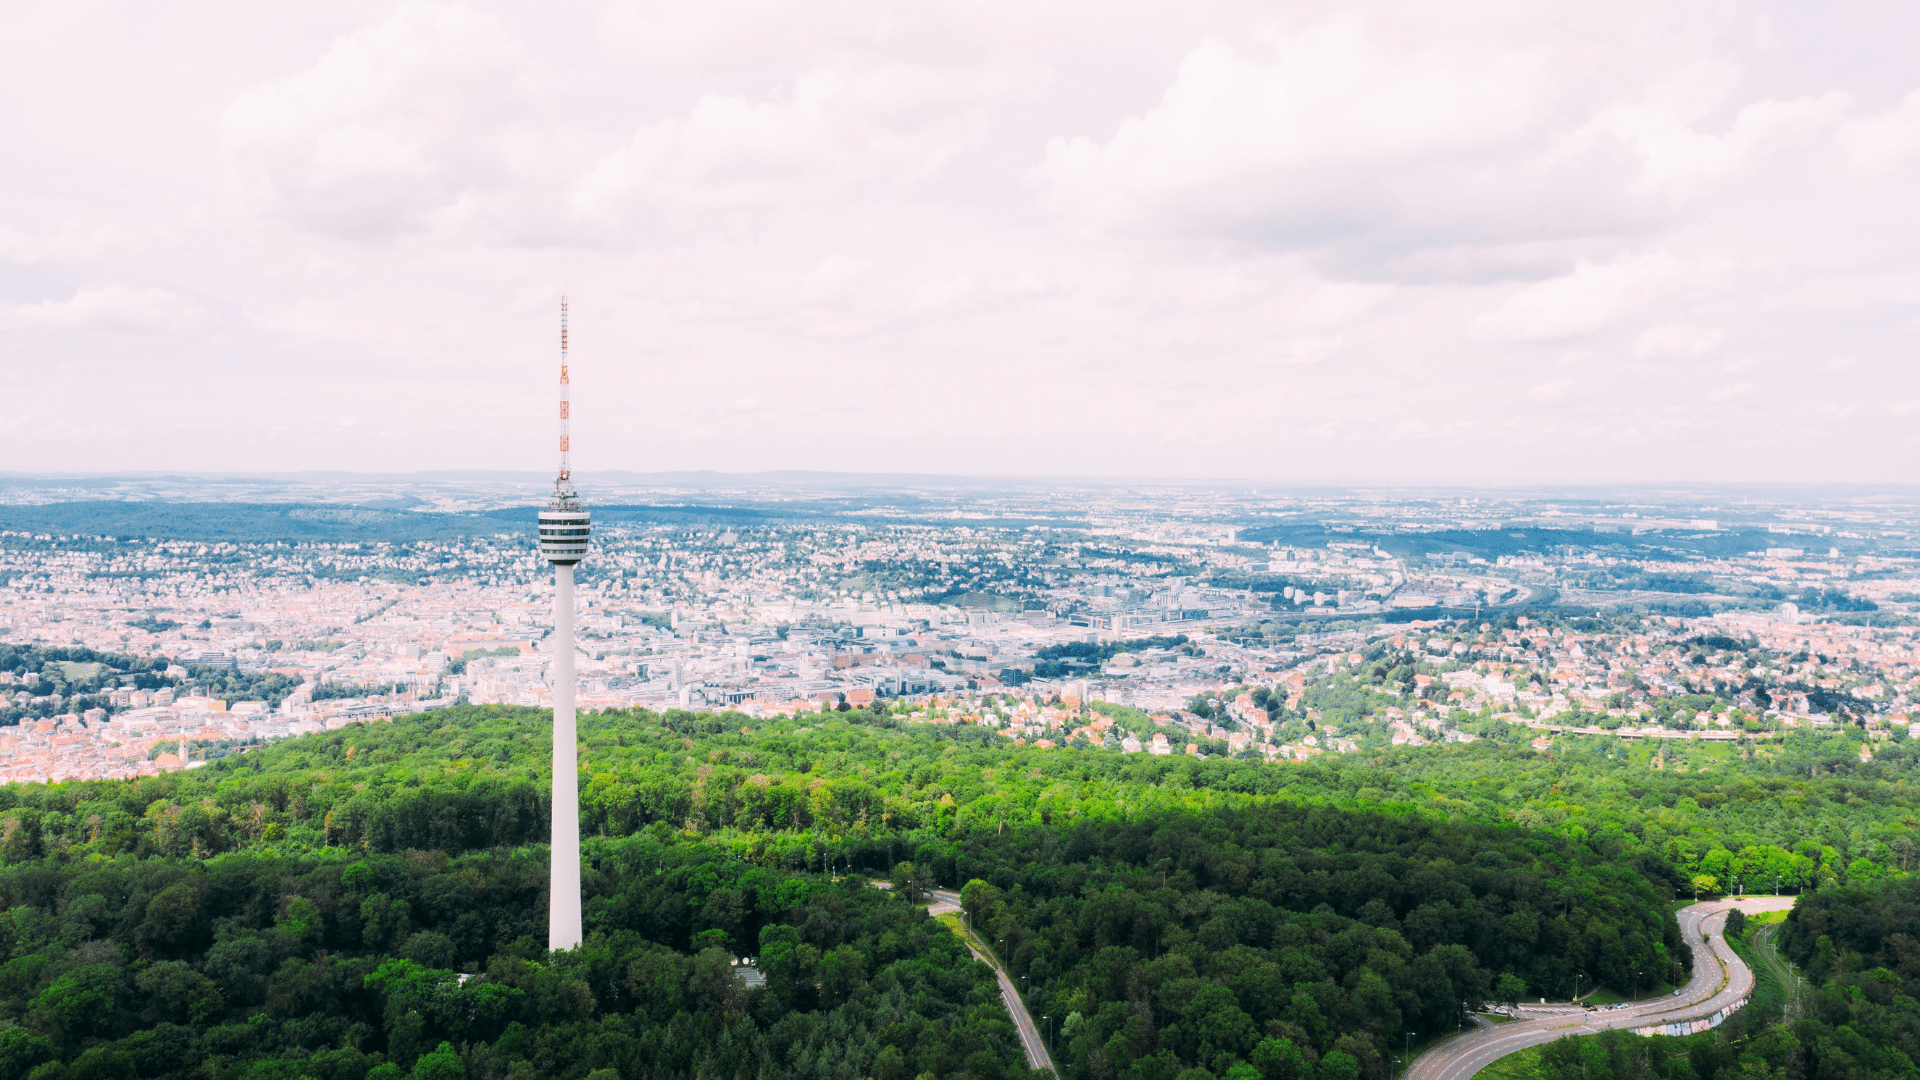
{"points": [[566, 401], [564, 529]]}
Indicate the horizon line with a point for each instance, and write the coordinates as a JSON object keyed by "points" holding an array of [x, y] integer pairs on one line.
{"points": [[670, 477]]}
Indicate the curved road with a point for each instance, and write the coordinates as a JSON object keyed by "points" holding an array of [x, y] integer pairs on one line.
{"points": [[1036, 1047], [1720, 980]]}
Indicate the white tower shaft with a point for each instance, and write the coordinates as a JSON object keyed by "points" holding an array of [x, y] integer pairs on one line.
{"points": [[563, 921]]}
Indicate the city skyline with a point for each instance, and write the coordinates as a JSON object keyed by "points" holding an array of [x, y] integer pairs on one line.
{"points": [[1352, 244], [776, 607]]}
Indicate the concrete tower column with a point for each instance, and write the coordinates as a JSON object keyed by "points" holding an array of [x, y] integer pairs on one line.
{"points": [[563, 927], [564, 528]]}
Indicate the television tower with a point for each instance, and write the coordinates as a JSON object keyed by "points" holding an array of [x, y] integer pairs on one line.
{"points": [[564, 527]]}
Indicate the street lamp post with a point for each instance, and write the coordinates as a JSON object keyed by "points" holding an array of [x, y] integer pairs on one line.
{"points": [[1406, 1053]]}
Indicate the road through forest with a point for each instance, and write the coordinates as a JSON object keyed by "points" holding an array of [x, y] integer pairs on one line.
{"points": [[1036, 1047], [1720, 980]]}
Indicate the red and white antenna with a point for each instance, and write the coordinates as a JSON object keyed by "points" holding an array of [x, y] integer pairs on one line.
{"points": [[566, 404]]}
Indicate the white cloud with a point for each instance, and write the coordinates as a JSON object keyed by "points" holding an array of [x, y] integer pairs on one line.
{"points": [[1304, 350], [838, 129], [1679, 161], [1886, 139], [667, 29], [398, 120], [1388, 151], [1552, 392], [110, 308], [53, 243], [1298, 140], [1677, 342], [1420, 216], [948, 295], [1581, 303]]}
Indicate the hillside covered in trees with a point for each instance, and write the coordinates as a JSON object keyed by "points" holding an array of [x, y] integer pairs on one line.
{"points": [[370, 902]]}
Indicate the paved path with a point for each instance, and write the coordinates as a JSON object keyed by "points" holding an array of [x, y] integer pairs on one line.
{"points": [[1720, 980], [1036, 1047]]}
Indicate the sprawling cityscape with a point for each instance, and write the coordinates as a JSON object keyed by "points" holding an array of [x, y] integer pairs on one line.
{"points": [[1131, 618]]}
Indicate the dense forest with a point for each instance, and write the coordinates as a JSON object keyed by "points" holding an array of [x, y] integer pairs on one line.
{"points": [[1860, 949], [1298, 941], [429, 964], [371, 900]]}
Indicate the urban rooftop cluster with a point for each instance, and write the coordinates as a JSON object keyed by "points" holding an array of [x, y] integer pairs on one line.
{"points": [[1183, 626]]}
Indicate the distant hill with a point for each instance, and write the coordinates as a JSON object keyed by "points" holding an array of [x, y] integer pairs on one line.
{"points": [[389, 520]]}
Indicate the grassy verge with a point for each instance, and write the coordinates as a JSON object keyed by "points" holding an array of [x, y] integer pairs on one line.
{"points": [[1768, 998], [1519, 1065], [1616, 1053], [1773, 979], [958, 925]]}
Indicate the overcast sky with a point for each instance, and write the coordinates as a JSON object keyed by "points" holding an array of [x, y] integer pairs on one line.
{"points": [[1462, 241]]}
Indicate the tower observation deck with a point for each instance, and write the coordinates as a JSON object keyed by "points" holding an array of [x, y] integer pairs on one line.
{"points": [[564, 526]]}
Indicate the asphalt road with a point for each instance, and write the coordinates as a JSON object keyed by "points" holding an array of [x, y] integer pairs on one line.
{"points": [[1720, 978], [1036, 1047]]}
